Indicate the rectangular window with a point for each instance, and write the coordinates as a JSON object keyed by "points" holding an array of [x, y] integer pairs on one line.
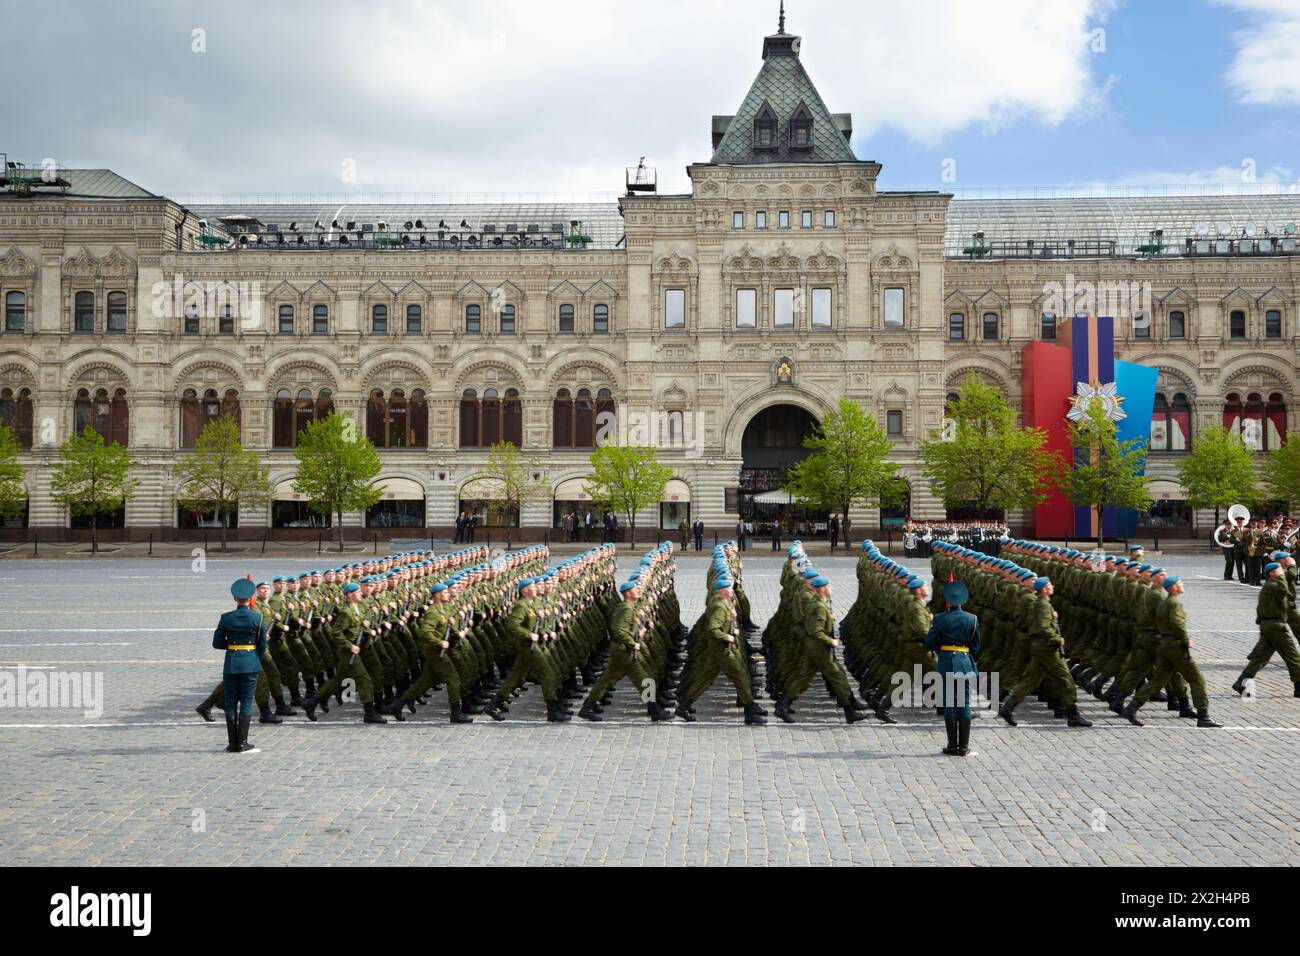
{"points": [[473, 319], [805, 219], [828, 219], [507, 320], [1047, 330], [84, 313], [894, 308], [414, 319], [674, 308], [957, 326], [286, 320], [600, 319], [191, 320], [15, 309], [783, 220], [379, 320], [320, 320], [737, 220], [760, 220], [226, 321], [821, 308], [990, 326], [1273, 324], [1142, 326], [116, 321], [783, 307], [1237, 325], [746, 308], [566, 318], [1177, 325], [894, 423]]}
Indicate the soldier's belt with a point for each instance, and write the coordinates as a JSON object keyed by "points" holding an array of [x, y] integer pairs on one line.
{"points": [[955, 649], [241, 647]]}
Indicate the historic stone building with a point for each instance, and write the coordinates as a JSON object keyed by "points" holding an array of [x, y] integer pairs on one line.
{"points": [[716, 324]]}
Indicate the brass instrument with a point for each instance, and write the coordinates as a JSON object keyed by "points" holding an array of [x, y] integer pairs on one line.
{"points": [[1236, 511]]}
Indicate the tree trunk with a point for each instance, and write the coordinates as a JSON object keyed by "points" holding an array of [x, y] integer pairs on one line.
{"points": [[1101, 530], [339, 516], [631, 526], [224, 516], [844, 525], [94, 531]]}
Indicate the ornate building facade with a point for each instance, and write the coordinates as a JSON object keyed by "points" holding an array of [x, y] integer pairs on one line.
{"points": [[717, 325]]}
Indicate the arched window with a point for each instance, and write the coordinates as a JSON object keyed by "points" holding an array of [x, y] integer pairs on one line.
{"points": [[320, 320], [507, 320], [418, 420], [584, 420], [469, 419], [950, 402], [107, 414], [562, 420], [398, 433], [1180, 423], [600, 318], [566, 318], [765, 128], [957, 326], [473, 319], [379, 320], [1274, 421], [324, 404], [282, 428], [1160, 423], [605, 413], [15, 311], [512, 418], [1047, 327], [293, 413], [1177, 325], [191, 318], [230, 407], [801, 129], [191, 414], [376, 419], [83, 313], [990, 326], [1273, 324], [304, 411], [116, 321], [16, 414], [414, 319], [286, 320], [226, 320], [490, 417]]}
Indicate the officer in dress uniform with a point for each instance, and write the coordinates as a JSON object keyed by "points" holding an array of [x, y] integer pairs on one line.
{"points": [[241, 633], [955, 637]]}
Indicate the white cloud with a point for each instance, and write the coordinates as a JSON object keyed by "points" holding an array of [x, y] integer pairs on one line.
{"points": [[1266, 68], [512, 95]]}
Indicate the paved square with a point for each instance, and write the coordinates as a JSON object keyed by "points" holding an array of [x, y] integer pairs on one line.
{"points": [[148, 783]]}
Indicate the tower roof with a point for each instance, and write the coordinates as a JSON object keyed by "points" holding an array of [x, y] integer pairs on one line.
{"points": [[781, 99]]}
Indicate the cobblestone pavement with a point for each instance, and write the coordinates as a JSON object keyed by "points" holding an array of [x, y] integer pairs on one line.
{"points": [[148, 783]]}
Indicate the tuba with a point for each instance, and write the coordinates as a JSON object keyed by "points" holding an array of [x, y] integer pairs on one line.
{"points": [[1236, 511]]}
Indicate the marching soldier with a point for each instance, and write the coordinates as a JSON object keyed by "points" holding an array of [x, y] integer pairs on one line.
{"points": [[347, 636], [1174, 654], [1271, 614]]}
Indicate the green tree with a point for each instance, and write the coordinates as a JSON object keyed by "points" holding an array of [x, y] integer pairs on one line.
{"points": [[1107, 472], [845, 465], [1219, 471], [220, 474], [627, 479], [507, 482], [983, 458], [335, 468], [13, 494], [92, 477], [1281, 472]]}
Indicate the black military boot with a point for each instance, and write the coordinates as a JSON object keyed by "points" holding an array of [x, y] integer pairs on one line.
{"points": [[658, 711], [882, 711], [309, 705], [754, 716], [371, 715], [1159, 697], [1171, 702], [1296, 693], [310, 684], [588, 711], [282, 709], [1074, 718], [244, 746], [1006, 711], [1239, 685], [494, 709], [266, 716], [295, 699], [684, 711], [963, 737], [458, 715], [204, 709], [232, 734], [395, 709], [1095, 688], [953, 749], [555, 714], [782, 710], [1116, 700], [1203, 718], [852, 715], [1130, 713], [1185, 709]]}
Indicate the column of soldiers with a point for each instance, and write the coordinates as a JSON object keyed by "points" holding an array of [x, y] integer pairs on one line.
{"points": [[885, 630], [1123, 630], [800, 640]]}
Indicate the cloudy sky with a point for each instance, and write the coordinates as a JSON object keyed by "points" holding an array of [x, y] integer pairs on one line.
{"points": [[400, 96]]}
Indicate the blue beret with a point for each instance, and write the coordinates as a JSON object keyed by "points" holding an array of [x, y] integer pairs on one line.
{"points": [[1040, 583], [627, 586], [914, 583], [243, 589], [1172, 580], [437, 588], [263, 584], [1135, 547], [721, 582], [1268, 568], [810, 572], [281, 580], [526, 582], [820, 581], [350, 587], [956, 593], [1279, 555]]}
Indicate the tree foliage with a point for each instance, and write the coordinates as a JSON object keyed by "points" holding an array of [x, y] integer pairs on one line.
{"points": [[220, 474], [1107, 472], [507, 482], [1219, 471], [13, 493], [336, 466], [627, 479], [92, 478]]}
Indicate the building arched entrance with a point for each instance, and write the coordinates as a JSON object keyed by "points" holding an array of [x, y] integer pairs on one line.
{"points": [[771, 445]]}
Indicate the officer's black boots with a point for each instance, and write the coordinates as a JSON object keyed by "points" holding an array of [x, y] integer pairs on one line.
{"points": [[1203, 718], [1006, 711], [588, 711], [963, 736], [782, 710], [266, 716], [1130, 713], [953, 749], [371, 716], [555, 714], [882, 711], [309, 706], [658, 711], [395, 709], [852, 715], [204, 709], [244, 745], [1076, 719], [458, 715], [282, 709], [232, 734], [1185, 709], [754, 715]]}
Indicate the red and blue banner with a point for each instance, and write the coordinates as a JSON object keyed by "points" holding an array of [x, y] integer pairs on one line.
{"points": [[1084, 362]]}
